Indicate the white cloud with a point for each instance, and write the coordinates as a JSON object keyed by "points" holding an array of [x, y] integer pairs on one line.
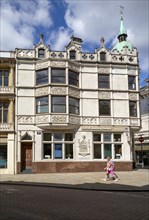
{"points": [[19, 20], [91, 20], [59, 39]]}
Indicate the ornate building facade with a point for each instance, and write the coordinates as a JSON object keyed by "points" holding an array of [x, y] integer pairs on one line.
{"points": [[142, 149], [7, 97], [73, 109]]}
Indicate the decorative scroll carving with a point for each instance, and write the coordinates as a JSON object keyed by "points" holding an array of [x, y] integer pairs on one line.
{"points": [[59, 119], [91, 120], [6, 127], [104, 95], [74, 120], [42, 91], [25, 119], [42, 119], [58, 90], [104, 70], [133, 96], [120, 121], [58, 64], [43, 65], [7, 90], [84, 147], [133, 122], [25, 53], [105, 121], [74, 67], [74, 92]]}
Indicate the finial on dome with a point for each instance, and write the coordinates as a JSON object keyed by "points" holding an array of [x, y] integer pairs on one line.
{"points": [[121, 11]]}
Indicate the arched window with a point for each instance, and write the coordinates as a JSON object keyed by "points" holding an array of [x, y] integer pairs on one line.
{"points": [[102, 56], [72, 54], [41, 53]]}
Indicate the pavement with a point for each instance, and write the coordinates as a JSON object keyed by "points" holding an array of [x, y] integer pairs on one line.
{"points": [[136, 180]]}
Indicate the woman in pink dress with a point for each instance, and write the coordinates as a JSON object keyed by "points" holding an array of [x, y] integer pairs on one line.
{"points": [[110, 170]]}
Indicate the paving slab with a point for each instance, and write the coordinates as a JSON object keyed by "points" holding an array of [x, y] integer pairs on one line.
{"points": [[137, 180]]}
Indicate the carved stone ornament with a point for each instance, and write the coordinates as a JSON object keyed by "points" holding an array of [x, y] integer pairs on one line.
{"points": [[25, 120], [132, 72], [58, 91], [133, 96], [134, 122], [42, 65], [7, 90], [93, 127], [74, 120], [74, 67], [74, 92], [89, 120], [58, 64], [105, 121], [104, 95], [103, 70], [59, 119], [42, 119], [120, 121], [25, 53], [6, 127], [84, 147], [42, 91]]}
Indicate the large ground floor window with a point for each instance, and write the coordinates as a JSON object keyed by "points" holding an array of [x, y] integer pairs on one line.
{"points": [[58, 145], [107, 145], [3, 156]]}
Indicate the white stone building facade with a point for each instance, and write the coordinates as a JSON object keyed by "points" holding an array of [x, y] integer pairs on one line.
{"points": [[73, 109]]}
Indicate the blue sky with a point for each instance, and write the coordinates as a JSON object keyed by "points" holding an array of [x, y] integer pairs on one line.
{"points": [[21, 22]]}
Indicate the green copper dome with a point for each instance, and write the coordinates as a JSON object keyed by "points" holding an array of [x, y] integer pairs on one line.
{"points": [[122, 38], [120, 45]]}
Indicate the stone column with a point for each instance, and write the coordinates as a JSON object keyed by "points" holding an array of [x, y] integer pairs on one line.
{"points": [[11, 111], [11, 76]]}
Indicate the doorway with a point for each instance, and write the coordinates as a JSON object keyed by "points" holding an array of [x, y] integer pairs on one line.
{"points": [[26, 157]]}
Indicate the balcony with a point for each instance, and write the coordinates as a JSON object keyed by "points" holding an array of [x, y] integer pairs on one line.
{"points": [[6, 127], [7, 90], [7, 54]]}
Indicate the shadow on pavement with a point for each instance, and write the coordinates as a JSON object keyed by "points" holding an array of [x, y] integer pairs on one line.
{"points": [[85, 186]]}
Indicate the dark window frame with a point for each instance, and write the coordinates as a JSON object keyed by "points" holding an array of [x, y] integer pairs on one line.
{"points": [[72, 54], [103, 81], [104, 107], [73, 78], [41, 53], [4, 106], [132, 108], [57, 77], [131, 82], [42, 79], [4, 77], [40, 105], [102, 56], [58, 104], [74, 109]]}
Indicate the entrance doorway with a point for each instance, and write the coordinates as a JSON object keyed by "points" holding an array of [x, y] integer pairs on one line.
{"points": [[26, 157]]}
